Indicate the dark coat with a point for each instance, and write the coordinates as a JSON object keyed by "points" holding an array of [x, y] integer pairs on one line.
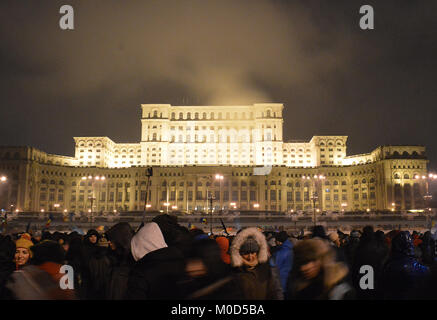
{"points": [[121, 260], [99, 268], [372, 253], [260, 283], [156, 276]]}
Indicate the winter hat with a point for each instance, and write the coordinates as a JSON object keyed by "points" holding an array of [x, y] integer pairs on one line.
{"points": [[241, 238], [249, 246], [148, 239], [24, 243], [48, 251]]}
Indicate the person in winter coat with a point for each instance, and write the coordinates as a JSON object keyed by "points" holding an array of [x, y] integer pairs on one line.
{"points": [[99, 268], [351, 246], [207, 276], [372, 253], [403, 276], [158, 267], [74, 259], [7, 266], [119, 237], [249, 257], [283, 258], [90, 249], [427, 248], [316, 275], [41, 280]]}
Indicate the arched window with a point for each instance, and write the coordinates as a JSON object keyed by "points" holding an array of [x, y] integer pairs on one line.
{"points": [[61, 183], [355, 181], [196, 115], [397, 176], [268, 114], [189, 115], [155, 114], [343, 183], [164, 183], [372, 180], [52, 182], [204, 115], [73, 184], [406, 176], [327, 183], [173, 115], [297, 184], [181, 115], [364, 181], [335, 183]]}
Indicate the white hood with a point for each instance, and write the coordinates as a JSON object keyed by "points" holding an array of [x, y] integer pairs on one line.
{"points": [[149, 238]]}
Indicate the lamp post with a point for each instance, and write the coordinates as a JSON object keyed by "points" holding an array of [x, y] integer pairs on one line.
{"points": [[315, 196], [167, 204], [220, 178], [149, 173]]}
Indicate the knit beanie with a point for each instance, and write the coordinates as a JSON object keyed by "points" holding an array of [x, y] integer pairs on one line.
{"points": [[24, 243], [249, 246]]}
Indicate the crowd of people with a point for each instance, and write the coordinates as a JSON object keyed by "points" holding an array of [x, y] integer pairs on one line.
{"points": [[163, 260]]}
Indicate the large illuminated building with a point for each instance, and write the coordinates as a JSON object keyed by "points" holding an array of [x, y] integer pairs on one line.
{"points": [[234, 154]]}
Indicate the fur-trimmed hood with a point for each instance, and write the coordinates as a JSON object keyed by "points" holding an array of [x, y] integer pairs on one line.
{"points": [[263, 254]]}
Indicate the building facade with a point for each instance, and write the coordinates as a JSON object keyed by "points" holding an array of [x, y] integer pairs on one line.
{"points": [[188, 146]]}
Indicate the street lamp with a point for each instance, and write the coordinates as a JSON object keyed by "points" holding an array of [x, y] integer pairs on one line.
{"points": [[167, 204], [315, 196], [256, 205], [3, 179]]}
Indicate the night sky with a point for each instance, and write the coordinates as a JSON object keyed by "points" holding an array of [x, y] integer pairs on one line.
{"points": [[376, 86]]}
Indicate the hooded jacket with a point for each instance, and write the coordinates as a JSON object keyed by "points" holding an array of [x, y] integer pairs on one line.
{"points": [[158, 268], [121, 260], [261, 282]]}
